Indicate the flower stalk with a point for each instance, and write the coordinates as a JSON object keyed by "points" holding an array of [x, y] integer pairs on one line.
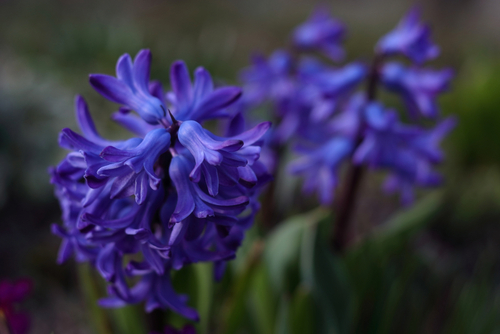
{"points": [[347, 201]]}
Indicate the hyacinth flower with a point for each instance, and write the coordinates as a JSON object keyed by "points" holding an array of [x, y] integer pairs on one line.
{"points": [[321, 32], [332, 115], [308, 97], [172, 195], [199, 101], [11, 294], [409, 152], [411, 39], [418, 87], [268, 79], [320, 166], [331, 85], [130, 88]]}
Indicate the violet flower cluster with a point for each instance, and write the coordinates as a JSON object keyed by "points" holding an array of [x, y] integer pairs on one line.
{"points": [[331, 113], [172, 195]]}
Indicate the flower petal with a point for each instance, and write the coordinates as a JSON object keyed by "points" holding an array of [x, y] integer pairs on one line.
{"points": [[124, 70], [203, 84], [111, 88], [142, 67], [181, 84], [218, 99], [185, 203]]}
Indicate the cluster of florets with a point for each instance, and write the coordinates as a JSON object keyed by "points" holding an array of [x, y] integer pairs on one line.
{"points": [[173, 195], [322, 110]]}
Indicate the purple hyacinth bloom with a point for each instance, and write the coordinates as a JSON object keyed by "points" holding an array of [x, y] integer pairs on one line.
{"points": [[135, 166], [340, 81], [320, 167], [216, 157], [192, 199], [321, 110], [320, 92], [416, 167], [321, 32], [130, 167], [410, 38], [133, 123], [200, 101], [11, 294], [156, 290], [130, 88], [349, 121], [175, 195], [322, 88], [136, 124], [419, 88], [269, 79], [428, 143], [385, 137], [408, 152]]}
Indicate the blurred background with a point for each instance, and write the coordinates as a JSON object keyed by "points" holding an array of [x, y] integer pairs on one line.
{"points": [[439, 273]]}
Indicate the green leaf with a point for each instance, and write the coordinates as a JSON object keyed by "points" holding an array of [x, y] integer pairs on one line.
{"points": [[205, 287], [476, 307], [283, 246], [262, 301], [282, 318], [129, 319], [409, 221], [302, 318], [326, 276], [388, 276], [233, 310], [90, 290]]}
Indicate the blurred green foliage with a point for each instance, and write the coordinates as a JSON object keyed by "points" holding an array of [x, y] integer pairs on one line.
{"points": [[475, 99]]}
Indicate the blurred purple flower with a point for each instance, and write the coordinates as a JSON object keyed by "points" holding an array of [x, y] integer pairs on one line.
{"points": [[410, 38], [321, 32], [348, 123], [341, 81], [320, 166], [408, 152], [268, 79], [419, 88], [319, 92], [321, 111]]}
